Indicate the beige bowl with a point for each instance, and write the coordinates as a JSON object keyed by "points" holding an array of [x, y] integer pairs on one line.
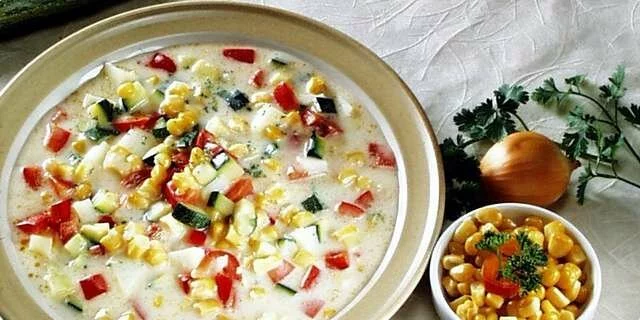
{"points": [[59, 70], [517, 212]]}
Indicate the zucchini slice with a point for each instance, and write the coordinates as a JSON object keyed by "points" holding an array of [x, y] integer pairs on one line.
{"points": [[103, 112], [137, 99], [316, 147], [221, 203], [244, 217], [326, 105], [160, 128], [191, 216], [74, 302], [312, 204], [284, 289], [97, 134], [236, 99]]}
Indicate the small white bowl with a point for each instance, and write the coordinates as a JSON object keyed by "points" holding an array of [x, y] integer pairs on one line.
{"points": [[517, 212]]}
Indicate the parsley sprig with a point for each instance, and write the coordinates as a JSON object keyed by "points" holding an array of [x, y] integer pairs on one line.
{"points": [[594, 139]]}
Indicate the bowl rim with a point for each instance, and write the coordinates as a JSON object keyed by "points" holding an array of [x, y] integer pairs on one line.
{"points": [[435, 267], [422, 234]]}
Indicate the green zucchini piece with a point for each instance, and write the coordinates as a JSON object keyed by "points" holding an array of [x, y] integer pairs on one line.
{"points": [[230, 170], [103, 112], [278, 63], [191, 216], [219, 160], [326, 105], [156, 98], [316, 146], [95, 232], [76, 245], [312, 204], [160, 128], [270, 150], [221, 203], [244, 217], [236, 99], [188, 138], [284, 289], [74, 302], [97, 134], [138, 99], [105, 201]]}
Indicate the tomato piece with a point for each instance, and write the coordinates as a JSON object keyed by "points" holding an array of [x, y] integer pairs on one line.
{"points": [[509, 248], [502, 287], [230, 270], [285, 97], [203, 138], [280, 272], [97, 250], [195, 237], [162, 61], [66, 230], [34, 224], [56, 137], [180, 160], [126, 123], [135, 178], [324, 126], [246, 55], [184, 279], [60, 211], [93, 286], [240, 189], [337, 260], [32, 176], [350, 209], [311, 278], [257, 79], [312, 307], [381, 155], [190, 196], [225, 285], [107, 219], [365, 199]]}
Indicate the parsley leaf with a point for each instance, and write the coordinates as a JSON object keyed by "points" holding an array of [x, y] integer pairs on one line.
{"points": [[522, 267], [548, 92], [492, 240], [615, 90], [583, 180], [631, 114], [575, 141], [462, 178]]}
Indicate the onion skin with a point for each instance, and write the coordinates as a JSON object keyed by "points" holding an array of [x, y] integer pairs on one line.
{"points": [[525, 167]]}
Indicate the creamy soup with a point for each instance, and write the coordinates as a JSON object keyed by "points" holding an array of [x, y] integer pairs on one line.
{"points": [[204, 181]]}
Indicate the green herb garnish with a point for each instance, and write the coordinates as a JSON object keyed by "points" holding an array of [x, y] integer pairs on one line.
{"points": [[492, 241], [255, 171], [312, 204]]}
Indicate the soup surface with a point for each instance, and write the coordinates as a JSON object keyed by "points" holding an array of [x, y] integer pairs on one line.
{"points": [[204, 181]]}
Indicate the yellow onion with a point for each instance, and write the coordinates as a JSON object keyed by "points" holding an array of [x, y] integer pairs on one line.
{"points": [[525, 167]]}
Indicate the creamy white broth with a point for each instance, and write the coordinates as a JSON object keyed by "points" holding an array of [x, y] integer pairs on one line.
{"points": [[134, 284]]}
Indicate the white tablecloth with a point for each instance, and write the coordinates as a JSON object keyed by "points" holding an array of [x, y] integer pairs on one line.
{"points": [[453, 53]]}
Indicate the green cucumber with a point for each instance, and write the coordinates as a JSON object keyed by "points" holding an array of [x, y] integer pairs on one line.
{"points": [[316, 147], [244, 217], [191, 216], [312, 204], [103, 112], [221, 203], [138, 99], [284, 289]]}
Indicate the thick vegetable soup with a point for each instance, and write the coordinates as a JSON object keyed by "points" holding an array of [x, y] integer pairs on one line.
{"points": [[204, 181]]}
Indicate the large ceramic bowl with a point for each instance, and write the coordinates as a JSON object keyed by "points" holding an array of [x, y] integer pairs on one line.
{"points": [[62, 68]]}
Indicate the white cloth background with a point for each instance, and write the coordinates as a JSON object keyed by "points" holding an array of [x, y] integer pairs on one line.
{"points": [[453, 53]]}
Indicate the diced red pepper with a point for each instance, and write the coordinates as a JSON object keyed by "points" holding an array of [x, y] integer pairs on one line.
{"points": [[225, 285], [285, 97], [337, 260], [246, 55], [257, 79], [180, 160], [381, 155], [230, 270], [312, 307], [162, 61], [32, 176], [365, 199], [190, 196], [107, 219], [152, 230], [66, 230], [61, 188], [280, 272], [97, 250], [60, 211], [240, 189], [203, 138], [56, 137], [349, 209], [502, 287], [93, 286], [126, 123], [195, 237], [213, 149], [324, 126], [34, 224], [311, 278], [135, 178], [184, 280]]}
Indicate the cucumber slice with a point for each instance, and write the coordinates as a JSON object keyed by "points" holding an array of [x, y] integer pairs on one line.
{"points": [[191, 216], [286, 290], [312, 204], [187, 139], [278, 63], [76, 245], [74, 302], [244, 217], [315, 147], [221, 203], [95, 232], [105, 201], [138, 99], [326, 105], [160, 128]]}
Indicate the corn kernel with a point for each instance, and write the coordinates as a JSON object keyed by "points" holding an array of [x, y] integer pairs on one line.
{"points": [[257, 292], [557, 298], [550, 316], [547, 307], [329, 313], [583, 295], [303, 258], [316, 85], [451, 260], [464, 288], [488, 227], [573, 291], [239, 150], [550, 276], [207, 306], [566, 315], [137, 246], [363, 182], [158, 301], [529, 307], [302, 219], [156, 253], [489, 215], [347, 235], [538, 292], [356, 158], [47, 197], [569, 273], [450, 286], [477, 293], [273, 133], [292, 118], [218, 230], [553, 227], [576, 255], [493, 300], [573, 309], [172, 105], [559, 244], [260, 97], [80, 146], [467, 310], [126, 90], [153, 80], [459, 301], [202, 289], [112, 241], [347, 176], [272, 164], [205, 69], [471, 242], [463, 272], [464, 230], [82, 191]]}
